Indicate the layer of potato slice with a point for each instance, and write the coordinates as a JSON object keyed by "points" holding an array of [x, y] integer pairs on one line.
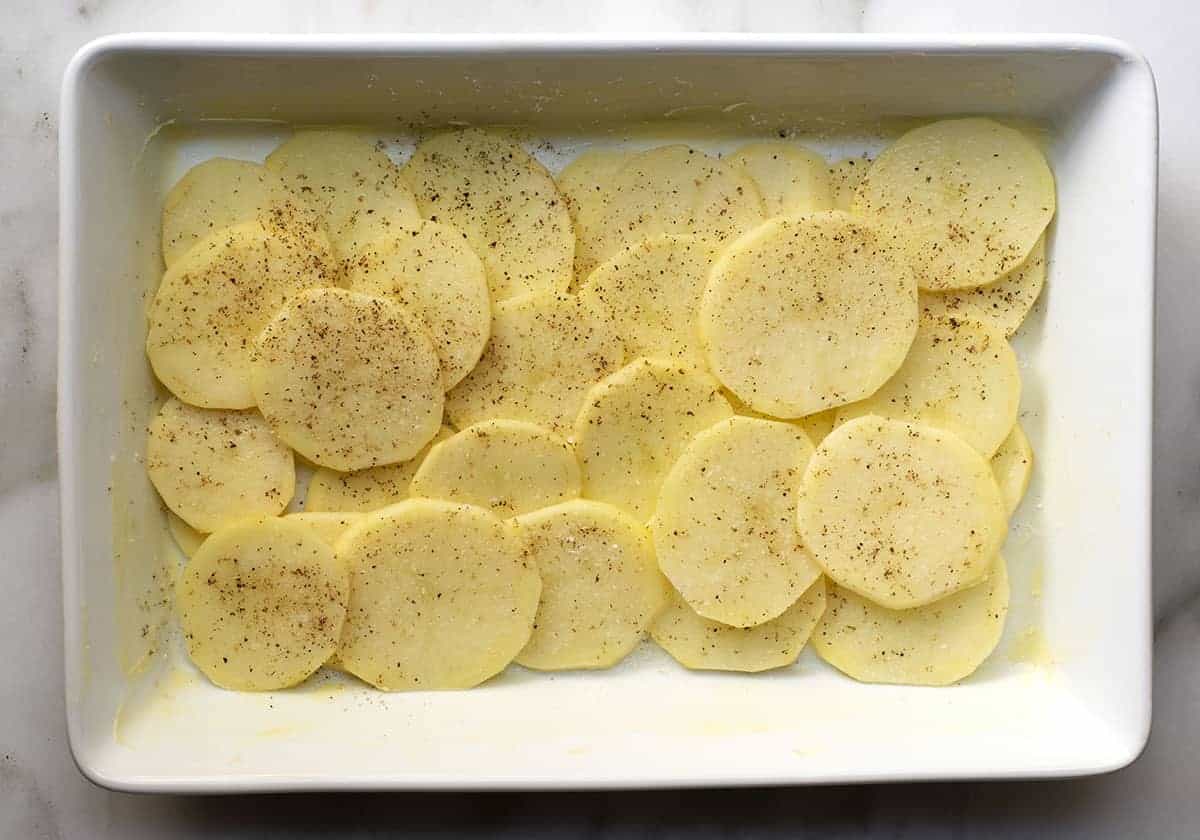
{"points": [[790, 178], [725, 525], [960, 375], [1003, 303], [1013, 466], [900, 513], [441, 596], [937, 644], [186, 537], [213, 301], [844, 177], [213, 467], [508, 466], [816, 426], [808, 313], [652, 290], [969, 198], [328, 525], [262, 604], [544, 354], [635, 424], [701, 644], [348, 380], [584, 182], [505, 201], [369, 489], [601, 587]]}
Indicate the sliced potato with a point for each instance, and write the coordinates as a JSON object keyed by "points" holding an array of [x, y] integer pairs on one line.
{"points": [[844, 178], [808, 313], [701, 644], [635, 424], [937, 644], [671, 189], [327, 526], [601, 587], [431, 271], [969, 198], [262, 604], [790, 178], [725, 525], [960, 375], [585, 181], [1013, 466], [544, 354], [186, 537], [213, 302], [508, 466], [441, 596], [652, 291], [213, 467], [222, 192], [369, 489], [348, 380], [505, 201], [1003, 303], [899, 513], [349, 183]]}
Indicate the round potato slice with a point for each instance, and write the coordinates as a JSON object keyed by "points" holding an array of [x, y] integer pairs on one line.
{"points": [[328, 526], [369, 489], [348, 380], [262, 604], [1003, 303], [186, 537], [508, 466], [652, 291], [213, 467], [505, 201], [349, 183], [670, 189], [213, 301], [1013, 466], [790, 178], [544, 354], [938, 644], [635, 424], [808, 313], [601, 587], [901, 514], [441, 596], [960, 375], [844, 178], [698, 643], [431, 271], [222, 192], [585, 179], [724, 528], [969, 197]]}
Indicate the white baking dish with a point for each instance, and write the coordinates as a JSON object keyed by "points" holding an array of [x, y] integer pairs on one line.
{"points": [[1069, 691]]}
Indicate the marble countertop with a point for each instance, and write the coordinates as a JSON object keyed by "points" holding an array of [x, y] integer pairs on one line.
{"points": [[42, 794]]}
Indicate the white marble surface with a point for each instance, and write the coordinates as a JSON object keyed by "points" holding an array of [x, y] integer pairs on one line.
{"points": [[41, 794]]}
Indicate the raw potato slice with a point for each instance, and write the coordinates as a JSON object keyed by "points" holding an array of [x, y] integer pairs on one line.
{"points": [[508, 466], [348, 380], [671, 189], [969, 197], [1004, 303], [431, 271], [635, 424], [440, 596], [545, 352], [652, 291], [369, 489], [808, 313], [844, 178], [960, 375], [901, 514], [328, 527], [698, 643], [816, 426], [213, 302], [790, 178], [601, 587], [725, 526], [585, 180], [505, 201], [213, 467], [349, 183], [222, 192], [1013, 466], [937, 644], [186, 537], [262, 604]]}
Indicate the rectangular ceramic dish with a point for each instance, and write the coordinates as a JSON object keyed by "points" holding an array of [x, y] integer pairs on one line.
{"points": [[1067, 693]]}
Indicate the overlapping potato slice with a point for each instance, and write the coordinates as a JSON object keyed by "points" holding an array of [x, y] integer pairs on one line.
{"points": [[585, 182], [186, 537], [1003, 303], [1013, 466], [844, 177], [790, 178], [369, 489]]}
